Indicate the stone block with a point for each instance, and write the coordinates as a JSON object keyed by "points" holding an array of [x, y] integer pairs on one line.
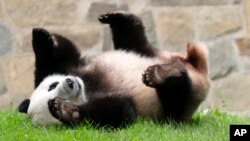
{"points": [[174, 28], [245, 63], [1, 10], [231, 93], [36, 12], [12, 100], [20, 74], [136, 6], [246, 13], [213, 22], [25, 41], [97, 8], [243, 45], [192, 2], [6, 39], [149, 24], [107, 39], [3, 86], [223, 57]]}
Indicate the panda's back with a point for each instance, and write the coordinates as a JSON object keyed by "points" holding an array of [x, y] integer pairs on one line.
{"points": [[122, 71]]}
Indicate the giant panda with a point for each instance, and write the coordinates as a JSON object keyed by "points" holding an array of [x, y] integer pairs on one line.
{"points": [[135, 79]]}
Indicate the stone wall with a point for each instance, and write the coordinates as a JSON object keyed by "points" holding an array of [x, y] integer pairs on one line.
{"points": [[224, 25]]}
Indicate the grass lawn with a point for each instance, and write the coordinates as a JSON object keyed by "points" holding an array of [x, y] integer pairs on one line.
{"points": [[212, 126]]}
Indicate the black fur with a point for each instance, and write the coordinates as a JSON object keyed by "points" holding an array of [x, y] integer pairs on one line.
{"points": [[128, 33], [174, 91], [23, 107], [54, 54], [110, 110]]}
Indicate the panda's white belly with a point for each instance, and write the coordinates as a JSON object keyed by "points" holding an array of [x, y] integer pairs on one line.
{"points": [[124, 71]]}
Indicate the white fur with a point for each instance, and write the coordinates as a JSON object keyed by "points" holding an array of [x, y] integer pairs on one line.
{"points": [[38, 108]]}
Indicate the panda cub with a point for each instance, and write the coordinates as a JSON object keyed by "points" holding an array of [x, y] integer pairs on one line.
{"points": [[114, 87]]}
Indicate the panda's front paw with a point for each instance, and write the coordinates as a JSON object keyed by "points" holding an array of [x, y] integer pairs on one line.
{"points": [[64, 111]]}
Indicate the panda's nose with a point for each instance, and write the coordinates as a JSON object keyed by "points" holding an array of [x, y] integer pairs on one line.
{"points": [[70, 83]]}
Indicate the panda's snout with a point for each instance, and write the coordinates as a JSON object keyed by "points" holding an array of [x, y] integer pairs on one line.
{"points": [[70, 82]]}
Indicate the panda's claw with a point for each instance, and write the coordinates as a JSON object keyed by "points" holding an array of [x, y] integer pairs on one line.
{"points": [[55, 106], [56, 100], [57, 112], [105, 18]]}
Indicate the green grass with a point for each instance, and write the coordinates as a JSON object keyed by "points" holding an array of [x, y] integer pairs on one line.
{"points": [[212, 126]]}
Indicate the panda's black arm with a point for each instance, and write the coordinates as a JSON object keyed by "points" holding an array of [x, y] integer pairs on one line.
{"points": [[110, 110], [128, 32]]}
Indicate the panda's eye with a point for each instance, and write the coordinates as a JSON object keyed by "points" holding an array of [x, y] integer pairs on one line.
{"points": [[53, 86]]}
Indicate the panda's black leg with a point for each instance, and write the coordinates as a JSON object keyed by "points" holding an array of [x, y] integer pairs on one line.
{"points": [[53, 54], [128, 32], [111, 110], [173, 87]]}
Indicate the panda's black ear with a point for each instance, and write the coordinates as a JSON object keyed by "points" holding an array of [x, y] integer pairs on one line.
{"points": [[23, 107], [42, 42]]}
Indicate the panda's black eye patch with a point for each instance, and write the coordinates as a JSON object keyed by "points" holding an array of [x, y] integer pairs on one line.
{"points": [[53, 86]]}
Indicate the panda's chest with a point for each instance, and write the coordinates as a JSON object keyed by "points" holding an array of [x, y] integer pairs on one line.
{"points": [[120, 71], [124, 63]]}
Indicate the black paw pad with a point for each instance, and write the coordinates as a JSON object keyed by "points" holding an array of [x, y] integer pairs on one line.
{"points": [[64, 111], [54, 105], [151, 76], [166, 74]]}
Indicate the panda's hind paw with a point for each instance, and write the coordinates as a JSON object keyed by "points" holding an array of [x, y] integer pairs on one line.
{"points": [[149, 77], [105, 18], [165, 74], [64, 111], [110, 17]]}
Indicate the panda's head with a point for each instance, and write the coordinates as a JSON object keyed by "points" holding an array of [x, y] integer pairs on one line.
{"points": [[67, 87]]}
